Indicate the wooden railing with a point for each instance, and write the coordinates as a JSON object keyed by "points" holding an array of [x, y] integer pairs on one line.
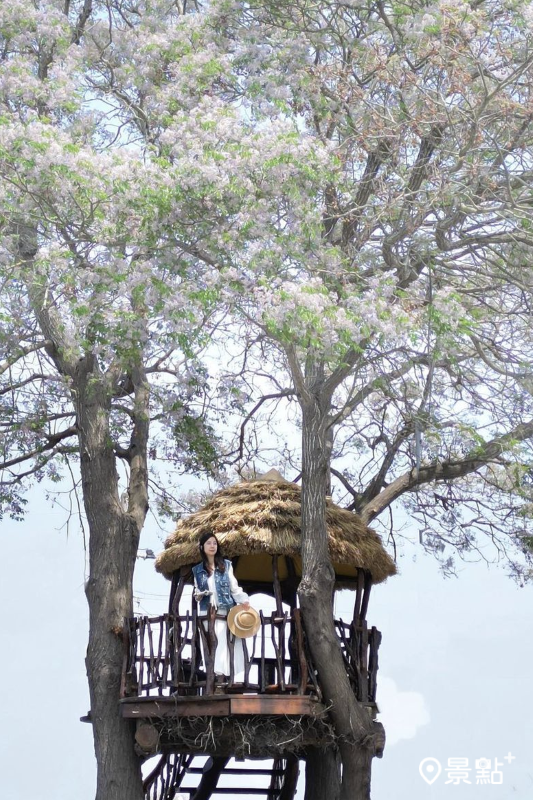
{"points": [[175, 655], [359, 646]]}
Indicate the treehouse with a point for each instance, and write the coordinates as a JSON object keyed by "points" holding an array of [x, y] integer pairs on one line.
{"points": [[272, 708]]}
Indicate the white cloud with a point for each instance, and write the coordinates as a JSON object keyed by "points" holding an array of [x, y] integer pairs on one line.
{"points": [[402, 713]]}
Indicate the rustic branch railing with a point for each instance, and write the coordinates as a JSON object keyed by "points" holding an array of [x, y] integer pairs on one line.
{"points": [[165, 778], [175, 655], [359, 646]]}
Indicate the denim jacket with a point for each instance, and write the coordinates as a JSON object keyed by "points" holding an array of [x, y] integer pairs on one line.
{"points": [[225, 600]]}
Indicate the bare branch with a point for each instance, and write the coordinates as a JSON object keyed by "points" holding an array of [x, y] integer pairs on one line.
{"points": [[20, 353], [447, 470], [52, 441], [84, 15], [251, 414]]}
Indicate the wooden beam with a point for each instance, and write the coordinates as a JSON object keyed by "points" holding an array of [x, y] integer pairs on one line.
{"points": [[176, 707], [236, 771], [212, 771], [273, 704], [219, 706], [229, 790]]}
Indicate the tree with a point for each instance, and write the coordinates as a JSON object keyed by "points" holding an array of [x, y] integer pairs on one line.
{"points": [[100, 329], [401, 302], [107, 295], [349, 181]]}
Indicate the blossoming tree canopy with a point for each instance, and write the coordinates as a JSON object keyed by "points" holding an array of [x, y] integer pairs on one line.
{"points": [[353, 179], [348, 182]]}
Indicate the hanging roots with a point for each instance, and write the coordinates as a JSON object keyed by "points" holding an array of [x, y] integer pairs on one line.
{"points": [[245, 737]]}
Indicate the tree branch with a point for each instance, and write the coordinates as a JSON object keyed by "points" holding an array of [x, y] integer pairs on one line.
{"points": [[23, 351], [248, 417], [374, 386], [60, 450], [53, 441], [446, 470], [14, 386], [138, 449], [84, 15], [59, 348]]}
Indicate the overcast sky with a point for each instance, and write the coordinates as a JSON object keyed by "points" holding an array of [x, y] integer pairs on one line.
{"points": [[454, 682]]}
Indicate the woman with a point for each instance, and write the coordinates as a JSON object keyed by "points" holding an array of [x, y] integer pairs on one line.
{"points": [[216, 585]]}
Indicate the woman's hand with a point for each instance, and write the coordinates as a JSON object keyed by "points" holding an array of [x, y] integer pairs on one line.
{"points": [[246, 604], [198, 594]]}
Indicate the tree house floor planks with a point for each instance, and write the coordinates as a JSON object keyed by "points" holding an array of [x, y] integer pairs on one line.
{"points": [[220, 706]]}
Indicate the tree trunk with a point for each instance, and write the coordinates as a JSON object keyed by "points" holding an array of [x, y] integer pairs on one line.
{"points": [[322, 774], [352, 724], [113, 543], [113, 532]]}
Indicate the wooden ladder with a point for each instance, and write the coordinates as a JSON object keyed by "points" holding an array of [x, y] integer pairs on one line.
{"points": [[176, 778]]}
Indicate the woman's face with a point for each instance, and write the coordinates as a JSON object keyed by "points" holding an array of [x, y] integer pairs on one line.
{"points": [[210, 546]]}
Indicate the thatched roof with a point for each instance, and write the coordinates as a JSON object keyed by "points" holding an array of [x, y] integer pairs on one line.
{"points": [[263, 517]]}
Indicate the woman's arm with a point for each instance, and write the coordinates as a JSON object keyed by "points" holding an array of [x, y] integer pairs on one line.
{"points": [[236, 592], [197, 594]]}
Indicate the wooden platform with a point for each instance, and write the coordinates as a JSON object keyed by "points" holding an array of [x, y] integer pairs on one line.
{"points": [[224, 705]]}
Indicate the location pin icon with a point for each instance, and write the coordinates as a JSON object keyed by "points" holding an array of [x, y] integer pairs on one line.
{"points": [[430, 769]]}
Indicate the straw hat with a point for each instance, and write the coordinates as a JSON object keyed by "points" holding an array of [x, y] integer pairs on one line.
{"points": [[243, 622]]}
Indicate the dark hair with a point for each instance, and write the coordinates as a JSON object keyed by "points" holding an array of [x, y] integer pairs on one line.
{"points": [[219, 558]]}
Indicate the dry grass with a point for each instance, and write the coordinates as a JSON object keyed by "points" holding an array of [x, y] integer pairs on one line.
{"points": [[264, 516]]}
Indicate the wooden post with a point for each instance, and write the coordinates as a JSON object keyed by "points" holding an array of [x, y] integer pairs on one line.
{"points": [[212, 771], [210, 645], [366, 594], [373, 663], [278, 627], [152, 679], [358, 597], [262, 675], [142, 626], [179, 580], [291, 584], [290, 778], [196, 650], [302, 683], [125, 684], [363, 663], [173, 589], [277, 587], [247, 662], [230, 644]]}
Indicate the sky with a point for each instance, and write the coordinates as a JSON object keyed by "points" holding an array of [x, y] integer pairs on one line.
{"points": [[454, 679]]}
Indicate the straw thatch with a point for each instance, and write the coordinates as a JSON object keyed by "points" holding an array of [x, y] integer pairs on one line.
{"points": [[264, 517]]}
